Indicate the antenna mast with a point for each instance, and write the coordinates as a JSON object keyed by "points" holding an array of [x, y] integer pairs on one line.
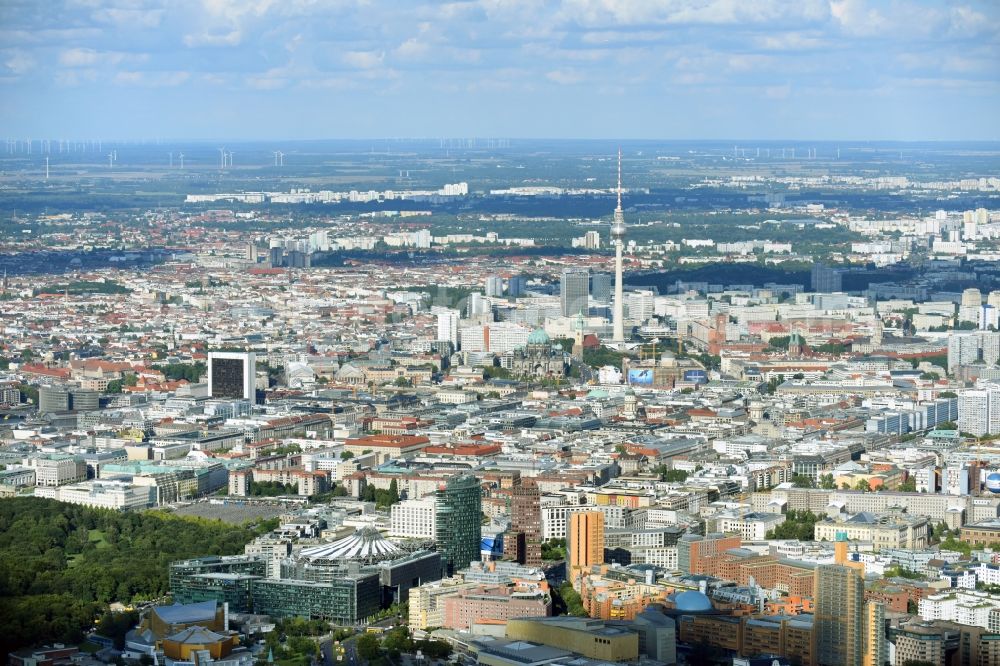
{"points": [[619, 178]]}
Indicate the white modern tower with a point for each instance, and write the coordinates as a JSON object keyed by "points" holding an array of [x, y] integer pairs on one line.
{"points": [[232, 375], [618, 238]]}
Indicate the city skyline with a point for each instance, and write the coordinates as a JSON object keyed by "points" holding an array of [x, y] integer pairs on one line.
{"points": [[500, 332], [839, 70]]}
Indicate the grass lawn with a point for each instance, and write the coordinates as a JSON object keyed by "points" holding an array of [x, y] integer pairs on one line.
{"points": [[96, 537]]}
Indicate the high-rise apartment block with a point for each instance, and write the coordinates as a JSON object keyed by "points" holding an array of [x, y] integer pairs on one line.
{"points": [[600, 287], [825, 279], [876, 649], [499, 337], [979, 409], [585, 545], [574, 291], [838, 615], [517, 285], [970, 306], [494, 286], [447, 323], [975, 347]]}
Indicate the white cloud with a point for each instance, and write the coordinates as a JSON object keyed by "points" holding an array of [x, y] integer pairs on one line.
{"points": [[747, 62], [953, 63], [413, 48], [856, 18], [231, 38], [710, 12], [152, 79], [564, 76], [86, 57], [234, 10], [609, 37], [18, 62], [130, 19], [791, 41], [78, 57], [966, 21], [690, 79], [75, 77], [778, 92], [266, 82], [363, 59]]}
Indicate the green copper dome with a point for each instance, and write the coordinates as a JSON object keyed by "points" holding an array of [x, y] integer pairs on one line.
{"points": [[539, 337]]}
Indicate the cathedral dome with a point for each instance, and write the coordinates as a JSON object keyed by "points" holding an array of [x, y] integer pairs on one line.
{"points": [[539, 337]]}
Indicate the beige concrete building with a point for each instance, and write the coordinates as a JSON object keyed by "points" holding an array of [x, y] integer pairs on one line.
{"points": [[427, 601], [897, 531]]}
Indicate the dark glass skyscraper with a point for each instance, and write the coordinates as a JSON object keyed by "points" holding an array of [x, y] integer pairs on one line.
{"points": [[232, 375], [458, 509], [600, 287]]}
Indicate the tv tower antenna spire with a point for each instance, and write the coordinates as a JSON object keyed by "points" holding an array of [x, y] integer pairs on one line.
{"points": [[619, 178], [618, 238]]}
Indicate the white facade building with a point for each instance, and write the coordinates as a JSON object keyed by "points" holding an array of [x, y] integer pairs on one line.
{"points": [[977, 609], [979, 409], [107, 494], [499, 337], [447, 323], [57, 470], [414, 519]]}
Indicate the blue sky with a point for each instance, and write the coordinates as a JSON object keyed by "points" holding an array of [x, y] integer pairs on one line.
{"points": [[672, 69]]}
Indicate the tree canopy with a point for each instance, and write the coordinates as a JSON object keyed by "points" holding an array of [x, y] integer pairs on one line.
{"points": [[61, 564], [798, 525]]}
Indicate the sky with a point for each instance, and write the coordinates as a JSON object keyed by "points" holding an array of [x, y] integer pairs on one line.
{"points": [[646, 69]]}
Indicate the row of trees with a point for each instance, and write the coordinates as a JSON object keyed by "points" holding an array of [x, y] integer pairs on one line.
{"points": [[192, 372], [826, 481], [671, 475], [798, 525], [271, 489], [382, 498], [61, 564], [567, 601], [396, 642]]}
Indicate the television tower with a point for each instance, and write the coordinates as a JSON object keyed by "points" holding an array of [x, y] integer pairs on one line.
{"points": [[618, 238]]}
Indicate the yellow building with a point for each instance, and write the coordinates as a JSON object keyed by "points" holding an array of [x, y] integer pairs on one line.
{"points": [[839, 615], [876, 651], [183, 645], [585, 542], [584, 636], [632, 499], [426, 607]]}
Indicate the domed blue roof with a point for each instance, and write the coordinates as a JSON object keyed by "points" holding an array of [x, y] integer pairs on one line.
{"points": [[692, 602], [539, 337]]}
